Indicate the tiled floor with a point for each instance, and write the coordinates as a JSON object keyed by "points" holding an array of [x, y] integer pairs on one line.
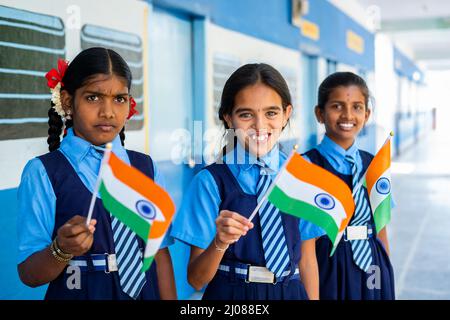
{"points": [[419, 232]]}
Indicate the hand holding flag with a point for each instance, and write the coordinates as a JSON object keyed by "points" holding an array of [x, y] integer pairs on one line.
{"points": [[309, 192], [136, 201]]}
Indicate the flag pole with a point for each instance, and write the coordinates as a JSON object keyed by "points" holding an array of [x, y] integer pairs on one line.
{"points": [[391, 134], [97, 183], [272, 185]]}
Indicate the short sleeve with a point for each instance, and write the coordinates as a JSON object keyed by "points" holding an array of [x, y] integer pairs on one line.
{"points": [[36, 210], [309, 230], [159, 180], [194, 222], [168, 240]]}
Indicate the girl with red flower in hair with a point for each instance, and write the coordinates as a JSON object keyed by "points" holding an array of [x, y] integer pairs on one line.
{"points": [[103, 259]]}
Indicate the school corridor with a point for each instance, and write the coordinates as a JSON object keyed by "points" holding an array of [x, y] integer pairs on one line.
{"points": [[420, 226]]}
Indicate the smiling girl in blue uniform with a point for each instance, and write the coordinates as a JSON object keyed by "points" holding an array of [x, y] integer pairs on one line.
{"points": [[55, 244], [237, 258], [360, 268]]}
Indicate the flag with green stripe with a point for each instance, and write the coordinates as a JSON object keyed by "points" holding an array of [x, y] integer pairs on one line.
{"points": [[378, 183], [138, 202], [312, 193]]}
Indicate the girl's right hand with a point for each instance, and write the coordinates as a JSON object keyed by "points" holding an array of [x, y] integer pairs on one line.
{"points": [[74, 237], [231, 226]]}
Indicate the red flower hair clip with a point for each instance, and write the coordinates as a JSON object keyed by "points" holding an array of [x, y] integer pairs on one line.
{"points": [[55, 76], [133, 110]]}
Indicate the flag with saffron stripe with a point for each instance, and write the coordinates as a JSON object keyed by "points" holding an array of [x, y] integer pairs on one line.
{"points": [[378, 183], [136, 201], [309, 192]]}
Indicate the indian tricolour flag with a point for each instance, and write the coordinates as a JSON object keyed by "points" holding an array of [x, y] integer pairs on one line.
{"points": [[137, 201], [312, 193], [378, 183]]}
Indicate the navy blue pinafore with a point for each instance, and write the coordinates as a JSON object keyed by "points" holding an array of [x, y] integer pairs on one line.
{"points": [[340, 278], [73, 198], [248, 250]]}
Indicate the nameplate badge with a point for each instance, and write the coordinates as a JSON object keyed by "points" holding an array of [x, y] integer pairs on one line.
{"points": [[356, 232], [112, 263], [260, 274]]}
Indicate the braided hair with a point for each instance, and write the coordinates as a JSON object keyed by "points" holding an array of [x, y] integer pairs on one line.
{"points": [[122, 136], [55, 125], [86, 65]]}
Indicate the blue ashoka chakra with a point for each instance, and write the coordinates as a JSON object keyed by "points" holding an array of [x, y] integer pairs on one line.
{"points": [[146, 209], [324, 201], [383, 186]]}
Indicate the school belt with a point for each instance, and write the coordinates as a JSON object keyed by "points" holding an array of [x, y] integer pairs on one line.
{"points": [[358, 233], [258, 274], [95, 262]]}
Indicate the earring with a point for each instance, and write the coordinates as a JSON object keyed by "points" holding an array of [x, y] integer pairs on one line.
{"points": [[68, 115]]}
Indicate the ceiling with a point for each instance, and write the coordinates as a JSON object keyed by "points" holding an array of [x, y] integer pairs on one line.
{"points": [[420, 26]]}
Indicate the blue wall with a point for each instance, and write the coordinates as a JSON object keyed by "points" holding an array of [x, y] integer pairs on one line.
{"points": [[409, 128], [406, 67], [270, 21], [274, 25], [10, 285]]}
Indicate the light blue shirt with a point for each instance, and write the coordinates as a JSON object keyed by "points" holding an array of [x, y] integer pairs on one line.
{"points": [[335, 155], [195, 220], [37, 200]]}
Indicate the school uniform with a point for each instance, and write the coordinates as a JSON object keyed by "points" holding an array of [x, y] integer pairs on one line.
{"points": [[231, 185], [340, 277], [59, 185]]}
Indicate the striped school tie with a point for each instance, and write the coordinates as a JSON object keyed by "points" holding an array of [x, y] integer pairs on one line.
{"points": [[129, 259], [128, 255], [362, 253], [272, 231]]}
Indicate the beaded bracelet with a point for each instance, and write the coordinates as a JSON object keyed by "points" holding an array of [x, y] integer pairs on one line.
{"points": [[58, 254], [219, 248]]}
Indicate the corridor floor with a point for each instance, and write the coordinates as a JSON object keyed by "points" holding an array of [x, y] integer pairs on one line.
{"points": [[419, 231]]}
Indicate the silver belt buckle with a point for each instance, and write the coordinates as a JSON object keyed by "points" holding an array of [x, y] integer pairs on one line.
{"points": [[356, 233], [260, 274], [112, 263]]}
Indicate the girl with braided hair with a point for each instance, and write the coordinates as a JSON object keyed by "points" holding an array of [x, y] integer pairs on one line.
{"points": [[91, 101]]}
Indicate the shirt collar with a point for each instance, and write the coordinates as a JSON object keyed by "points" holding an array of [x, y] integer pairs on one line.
{"points": [[78, 149], [246, 160], [335, 151]]}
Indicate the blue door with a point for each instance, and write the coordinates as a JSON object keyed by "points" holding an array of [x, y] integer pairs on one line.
{"points": [[310, 84], [171, 113], [171, 96]]}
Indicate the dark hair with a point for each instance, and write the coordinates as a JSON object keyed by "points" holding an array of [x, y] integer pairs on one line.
{"points": [[251, 74], [338, 79], [86, 65]]}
